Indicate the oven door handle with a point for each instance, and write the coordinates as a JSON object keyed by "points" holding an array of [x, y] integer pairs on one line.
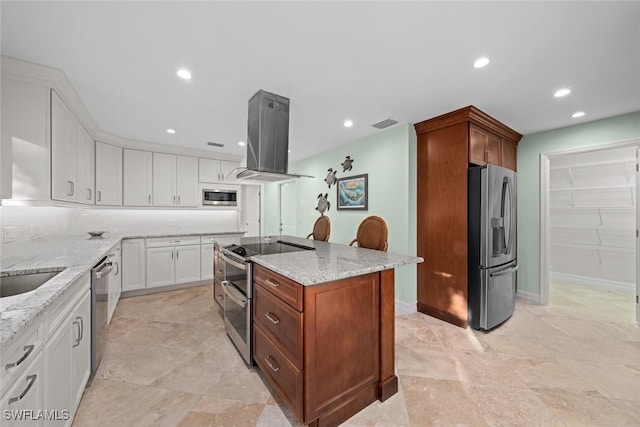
{"points": [[242, 266], [233, 294]]}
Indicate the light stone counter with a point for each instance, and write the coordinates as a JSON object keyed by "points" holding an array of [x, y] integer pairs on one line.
{"points": [[72, 256], [328, 262]]}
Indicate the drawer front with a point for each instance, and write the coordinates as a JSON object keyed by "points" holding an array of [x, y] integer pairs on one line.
{"points": [[218, 267], [282, 374], [20, 354], [282, 321], [158, 242], [285, 289], [205, 240]]}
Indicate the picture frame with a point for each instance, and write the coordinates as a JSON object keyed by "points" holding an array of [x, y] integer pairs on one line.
{"points": [[352, 193]]}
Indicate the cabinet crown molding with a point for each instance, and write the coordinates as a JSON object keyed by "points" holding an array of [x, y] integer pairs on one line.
{"points": [[469, 114]]}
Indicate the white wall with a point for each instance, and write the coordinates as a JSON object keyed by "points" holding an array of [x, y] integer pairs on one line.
{"points": [[29, 222]]}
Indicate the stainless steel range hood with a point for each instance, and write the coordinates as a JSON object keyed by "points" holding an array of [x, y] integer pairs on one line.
{"points": [[267, 139]]}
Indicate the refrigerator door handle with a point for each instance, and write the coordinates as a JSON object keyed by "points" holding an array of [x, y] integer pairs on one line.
{"points": [[510, 238], [503, 272], [505, 189]]}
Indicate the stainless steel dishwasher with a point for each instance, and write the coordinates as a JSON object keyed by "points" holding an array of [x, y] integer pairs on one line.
{"points": [[99, 310]]}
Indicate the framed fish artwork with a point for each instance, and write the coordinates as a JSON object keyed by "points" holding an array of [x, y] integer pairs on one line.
{"points": [[353, 193]]}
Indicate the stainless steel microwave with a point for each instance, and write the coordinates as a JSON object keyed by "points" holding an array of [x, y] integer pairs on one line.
{"points": [[219, 197]]}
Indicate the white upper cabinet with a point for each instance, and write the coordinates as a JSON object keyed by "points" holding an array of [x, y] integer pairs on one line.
{"points": [[24, 150], [175, 180], [187, 181], [72, 156], [214, 171], [64, 135], [86, 167], [164, 179], [138, 177], [108, 175]]}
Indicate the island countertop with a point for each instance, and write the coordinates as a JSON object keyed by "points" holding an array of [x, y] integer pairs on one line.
{"points": [[328, 262]]}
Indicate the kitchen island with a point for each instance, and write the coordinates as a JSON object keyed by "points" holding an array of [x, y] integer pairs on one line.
{"points": [[324, 327]]}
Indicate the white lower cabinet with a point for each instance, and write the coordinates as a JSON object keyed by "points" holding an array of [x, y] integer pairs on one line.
{"points": [[160, 267], [67, 357], [24, 397], [206, 261], [133, 264], [115, 283], [168, 265]]}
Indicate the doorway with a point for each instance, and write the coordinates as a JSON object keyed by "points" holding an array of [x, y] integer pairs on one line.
{"points": [[288, 208], [251, 210], [589, 256]]}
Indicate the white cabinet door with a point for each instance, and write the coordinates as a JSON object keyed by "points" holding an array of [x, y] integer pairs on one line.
{"points": [[64, 134], [81, 358], [24, 149], [160, 267], [108, 174], [164, 179], [86, 167], [25, 395], [206, 261], [133, 264], [137, 177], [209, 170], [187, 263], [187, 181], [228, 171], [115, 284], [58, 385]]}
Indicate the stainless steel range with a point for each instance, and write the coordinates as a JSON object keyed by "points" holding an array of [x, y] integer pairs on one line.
{"points": [[238, 288]]}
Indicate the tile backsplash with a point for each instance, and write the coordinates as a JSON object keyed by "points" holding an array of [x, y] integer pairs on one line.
{"points": [[23, 223]]}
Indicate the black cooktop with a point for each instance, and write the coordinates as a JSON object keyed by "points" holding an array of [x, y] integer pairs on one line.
{"points": [[266, 248]]}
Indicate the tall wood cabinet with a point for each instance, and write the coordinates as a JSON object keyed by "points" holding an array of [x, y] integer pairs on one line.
{"points": [[447, 144]]}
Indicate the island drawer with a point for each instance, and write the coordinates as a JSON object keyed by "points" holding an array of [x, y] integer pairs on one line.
{"points": [[280, 322], [285, 289], [279, 370], [159, 242]]}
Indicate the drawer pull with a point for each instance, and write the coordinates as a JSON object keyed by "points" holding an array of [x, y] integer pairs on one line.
{"points": [[273, 283], [27, 351], [273, 368], [272, 317], [31, 379]]}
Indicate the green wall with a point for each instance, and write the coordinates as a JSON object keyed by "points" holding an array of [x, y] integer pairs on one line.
{"points": [[389, 158], [592, 134]]}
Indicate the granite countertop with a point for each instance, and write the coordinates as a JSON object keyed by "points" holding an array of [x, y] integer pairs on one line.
{"points": [[328, 262], [73, 256]]}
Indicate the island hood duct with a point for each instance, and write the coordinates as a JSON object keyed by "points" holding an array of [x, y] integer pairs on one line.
{"points": [[268, 139]]}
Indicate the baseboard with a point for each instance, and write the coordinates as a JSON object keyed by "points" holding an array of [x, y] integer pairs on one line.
{"points": [[405, 308], [528, 296], [592, 281], [147, 291]]}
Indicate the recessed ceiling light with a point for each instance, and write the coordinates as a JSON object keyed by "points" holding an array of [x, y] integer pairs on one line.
{"points": [[183, 73], [288, 151], [348, 123], [562, 92], [578, 114], [241, 143], [171, 131], [481, 62]]}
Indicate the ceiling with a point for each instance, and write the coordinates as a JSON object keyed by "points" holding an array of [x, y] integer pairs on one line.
{"points": [[364, 61]]}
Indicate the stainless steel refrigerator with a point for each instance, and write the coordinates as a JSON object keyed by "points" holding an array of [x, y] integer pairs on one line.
{"points": [[492, 246]]}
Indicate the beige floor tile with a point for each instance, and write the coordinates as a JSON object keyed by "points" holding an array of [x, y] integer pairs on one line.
{"points": [[422, 361], [611, 380], [484, 368], [435, 402], [214, 411], [239, 383], [391, 412], [112, 403], [273, 416], [580, 410], [511, 406], [629, 407]]}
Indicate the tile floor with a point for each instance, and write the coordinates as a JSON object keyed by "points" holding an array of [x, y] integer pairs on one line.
{"points": [[169, 363]]}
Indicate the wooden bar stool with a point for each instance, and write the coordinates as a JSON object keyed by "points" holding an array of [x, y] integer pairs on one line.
{"points": [[372, 234], [321, 229]]}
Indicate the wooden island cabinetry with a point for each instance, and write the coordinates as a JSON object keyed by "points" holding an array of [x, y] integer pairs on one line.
{"points": [[447, 144], [327, 349]]}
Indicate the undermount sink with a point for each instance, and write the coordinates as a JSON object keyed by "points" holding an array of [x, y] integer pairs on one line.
{"points": [[16, 285]]}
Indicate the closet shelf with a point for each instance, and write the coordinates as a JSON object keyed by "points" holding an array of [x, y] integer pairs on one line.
{"points": [[591, 164], [596, 188], [595, 247], [586, 207], [630, 229]]}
